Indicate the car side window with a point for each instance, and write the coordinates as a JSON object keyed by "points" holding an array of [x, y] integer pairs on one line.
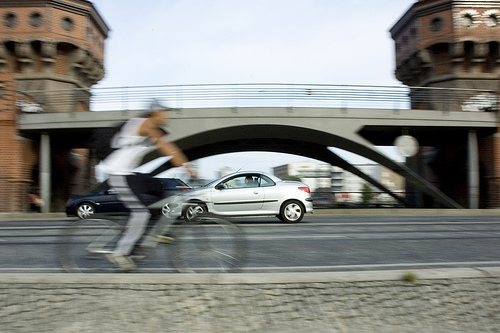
{"points": [[243, 181], [266, 181], [236, 182], [251, 181]]}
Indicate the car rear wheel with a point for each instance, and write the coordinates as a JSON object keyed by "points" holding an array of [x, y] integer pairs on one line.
{"points": [[292, 211], [85, 210]]}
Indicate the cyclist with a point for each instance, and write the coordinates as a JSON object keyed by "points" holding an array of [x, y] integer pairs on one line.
{"points": [[137, 138]]}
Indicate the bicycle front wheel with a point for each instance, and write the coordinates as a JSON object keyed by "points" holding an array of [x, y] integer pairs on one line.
{"points": [[85, 243], [208, 245]]}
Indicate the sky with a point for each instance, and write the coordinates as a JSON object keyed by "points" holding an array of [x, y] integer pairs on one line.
{"points": [[158, 42]]}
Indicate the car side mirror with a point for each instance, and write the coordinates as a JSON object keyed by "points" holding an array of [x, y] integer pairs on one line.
{"points": [[220, 187]]}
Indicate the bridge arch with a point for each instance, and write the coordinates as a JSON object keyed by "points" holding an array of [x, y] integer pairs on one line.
{"points": [[301, 141]]}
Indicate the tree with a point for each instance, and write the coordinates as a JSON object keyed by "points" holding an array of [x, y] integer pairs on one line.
{"points": [[366, 194]]}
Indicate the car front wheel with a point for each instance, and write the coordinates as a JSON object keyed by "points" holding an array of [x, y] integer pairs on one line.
{"points": [[292, 211], [193, 209], [85, 210]]}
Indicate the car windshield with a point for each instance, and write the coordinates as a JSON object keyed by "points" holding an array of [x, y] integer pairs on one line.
{"points": [[212, 183]]}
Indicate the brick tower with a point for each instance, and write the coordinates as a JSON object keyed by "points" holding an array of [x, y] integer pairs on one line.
{"points": [[47, 47], [453, 44]]}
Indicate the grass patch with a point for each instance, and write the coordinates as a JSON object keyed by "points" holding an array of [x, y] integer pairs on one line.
{"points": [[409, 277]]}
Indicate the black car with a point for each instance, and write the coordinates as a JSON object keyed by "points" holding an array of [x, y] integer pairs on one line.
{"points": [[105, 201], [323, 199]]}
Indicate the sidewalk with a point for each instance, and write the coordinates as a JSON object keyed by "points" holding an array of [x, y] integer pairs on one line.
{"points": [[13, 216], [449, 300]]}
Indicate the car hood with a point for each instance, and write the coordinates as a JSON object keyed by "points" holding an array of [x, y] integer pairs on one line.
{"points": [[179, 196], [194, 191]]}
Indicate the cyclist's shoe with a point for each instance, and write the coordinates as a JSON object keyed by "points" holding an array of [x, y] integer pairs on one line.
{"points": [[123, 263], [165, 239], [140, 252]]}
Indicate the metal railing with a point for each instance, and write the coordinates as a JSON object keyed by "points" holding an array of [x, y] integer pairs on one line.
{"points": [[271, 95]]}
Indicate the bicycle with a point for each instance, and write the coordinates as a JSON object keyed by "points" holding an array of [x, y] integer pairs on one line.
{"points": [[203, 243]]}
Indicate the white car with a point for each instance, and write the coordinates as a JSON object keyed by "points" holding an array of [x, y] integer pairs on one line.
{"points": [[250, 194]]}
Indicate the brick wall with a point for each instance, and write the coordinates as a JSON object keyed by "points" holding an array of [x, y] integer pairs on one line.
{"points": [[16, 153], [67, 39], [83, 31]]}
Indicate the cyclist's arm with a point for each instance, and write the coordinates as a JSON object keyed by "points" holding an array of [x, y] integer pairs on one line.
{"points": [[168, 148], [164, 146]]}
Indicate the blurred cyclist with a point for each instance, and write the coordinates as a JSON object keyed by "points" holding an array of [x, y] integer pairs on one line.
{"points": [[136, 139]]}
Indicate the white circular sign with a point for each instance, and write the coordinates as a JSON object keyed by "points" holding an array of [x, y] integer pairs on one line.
{"points": [[407, 145]]}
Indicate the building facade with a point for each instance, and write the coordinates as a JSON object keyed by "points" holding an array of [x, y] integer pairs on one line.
{"points": [[453, 44], [47, 47]]}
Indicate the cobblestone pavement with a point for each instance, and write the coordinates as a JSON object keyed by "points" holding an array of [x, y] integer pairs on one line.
{"points": [[76, 303]]}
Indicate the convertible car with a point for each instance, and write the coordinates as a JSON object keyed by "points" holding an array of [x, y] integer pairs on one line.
{"points": [[250, 194]]}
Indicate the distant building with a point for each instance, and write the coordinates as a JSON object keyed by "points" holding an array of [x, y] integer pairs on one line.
{"points": [[346, 186], [224, 171], [315, 175]]}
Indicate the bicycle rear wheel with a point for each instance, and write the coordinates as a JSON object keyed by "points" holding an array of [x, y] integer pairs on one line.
{"points": [[85, 243], [208, 245]]}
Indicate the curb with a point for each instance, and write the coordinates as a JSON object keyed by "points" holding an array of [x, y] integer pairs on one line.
{"points": [[15, 216], [244, 278], [408, 212]]}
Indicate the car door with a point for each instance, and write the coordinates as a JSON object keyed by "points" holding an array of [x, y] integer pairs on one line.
{"points": [[108, 202], [237, 195]]}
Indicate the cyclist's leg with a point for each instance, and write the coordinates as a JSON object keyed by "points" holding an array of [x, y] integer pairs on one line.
{"points": [[84, 244], [171, 211], [136, 224]]}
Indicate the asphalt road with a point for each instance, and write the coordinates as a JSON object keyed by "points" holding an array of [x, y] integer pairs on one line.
{"points": [[319, 243]]}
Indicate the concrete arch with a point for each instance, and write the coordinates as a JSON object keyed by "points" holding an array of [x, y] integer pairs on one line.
{"points": [[300, 141]]}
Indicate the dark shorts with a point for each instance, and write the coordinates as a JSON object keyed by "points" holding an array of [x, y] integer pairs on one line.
{"points": [[148, 189]]}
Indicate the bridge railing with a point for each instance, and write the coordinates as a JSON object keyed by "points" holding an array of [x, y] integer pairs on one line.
{"points": [[272, 95]]}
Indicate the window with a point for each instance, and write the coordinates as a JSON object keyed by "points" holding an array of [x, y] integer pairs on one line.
{"points": [[242, 181], [468, 20], [492, 20], [36, 19], [248, 180], [67, 23], [10, 20], [437, 24], [266, 181]]}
